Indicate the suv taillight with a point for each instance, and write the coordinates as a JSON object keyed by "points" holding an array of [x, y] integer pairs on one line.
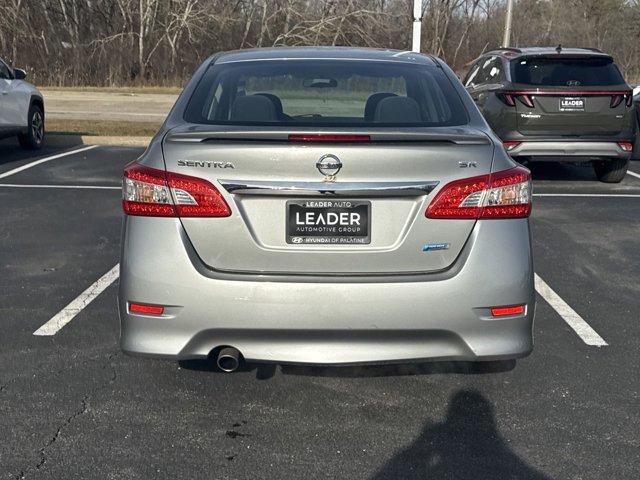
{"points": [[508, 97], [617, 98], [151, 192], [505, 194]]}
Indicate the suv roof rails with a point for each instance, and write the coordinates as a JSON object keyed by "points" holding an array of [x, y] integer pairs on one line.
{"points": [[593, 49]]}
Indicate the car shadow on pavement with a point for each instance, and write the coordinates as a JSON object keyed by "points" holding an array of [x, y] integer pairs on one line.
{"points": [[266, 371], [401, 369], [10, 150], [465, 446], [579, 172]]}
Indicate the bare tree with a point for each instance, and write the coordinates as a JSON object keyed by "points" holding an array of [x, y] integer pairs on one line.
{"points": [[160, 42]]}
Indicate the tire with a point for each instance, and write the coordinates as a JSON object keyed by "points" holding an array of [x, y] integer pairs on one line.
{"points": [[611, 171], [34, 137]]}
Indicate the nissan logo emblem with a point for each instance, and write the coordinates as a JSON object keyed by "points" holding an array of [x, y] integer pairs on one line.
{"points": [[329, 165]]}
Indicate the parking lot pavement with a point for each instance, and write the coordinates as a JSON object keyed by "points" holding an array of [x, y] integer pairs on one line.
{"points": [[73, 406]]}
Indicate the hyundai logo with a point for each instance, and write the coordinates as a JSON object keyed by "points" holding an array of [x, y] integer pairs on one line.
{"points": [[329, 166]]}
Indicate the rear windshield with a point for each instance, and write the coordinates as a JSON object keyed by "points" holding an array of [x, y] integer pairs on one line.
{"points": [[562, 72], [325, 93]]}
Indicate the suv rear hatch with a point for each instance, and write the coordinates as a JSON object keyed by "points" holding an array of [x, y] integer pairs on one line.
{"points": [[562, 95]]}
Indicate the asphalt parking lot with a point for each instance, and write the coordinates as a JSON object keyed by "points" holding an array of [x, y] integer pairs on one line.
{"points": [[73, 406]]}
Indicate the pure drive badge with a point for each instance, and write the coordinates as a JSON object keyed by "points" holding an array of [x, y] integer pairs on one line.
{"points": [[430, 247]]}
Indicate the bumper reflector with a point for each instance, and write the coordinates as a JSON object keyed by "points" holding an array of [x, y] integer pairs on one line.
{"points": [[507, 311], [146, 309]]}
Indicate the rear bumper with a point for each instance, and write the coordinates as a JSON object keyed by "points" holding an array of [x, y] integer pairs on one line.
{"points": [[326, 320], [559, 148]]}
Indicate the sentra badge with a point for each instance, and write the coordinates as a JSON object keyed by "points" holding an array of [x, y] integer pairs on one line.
{"points": [[204, 164]]}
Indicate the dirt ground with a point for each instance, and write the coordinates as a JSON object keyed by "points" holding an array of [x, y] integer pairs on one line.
{"points": [[107, 106]]}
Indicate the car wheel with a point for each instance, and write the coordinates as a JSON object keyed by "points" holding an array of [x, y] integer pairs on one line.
{"points": [[611, 171], [34, 137]]}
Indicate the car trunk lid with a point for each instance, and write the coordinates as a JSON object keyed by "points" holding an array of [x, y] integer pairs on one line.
{"points": [[276, 190]]}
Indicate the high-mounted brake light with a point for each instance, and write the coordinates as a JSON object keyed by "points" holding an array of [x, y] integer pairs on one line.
{"points": [[626, 145], [146, 309], [507, 311], [505, 194], [328, 137], [151, 192]]}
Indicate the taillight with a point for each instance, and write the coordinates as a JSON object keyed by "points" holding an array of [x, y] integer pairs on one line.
{"points": [[617, 99], [626, 145], [510, 144], [629, 99], [526, 100], [509, 98], [505, 194], [151, 192]]}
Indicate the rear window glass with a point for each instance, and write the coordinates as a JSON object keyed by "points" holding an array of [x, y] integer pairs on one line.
{"points": [[561, 72], [325, 93]]}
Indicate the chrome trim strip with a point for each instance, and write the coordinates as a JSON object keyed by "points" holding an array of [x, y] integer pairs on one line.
{"points": [[346, 189]]}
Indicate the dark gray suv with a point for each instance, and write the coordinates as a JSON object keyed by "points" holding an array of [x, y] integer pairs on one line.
{"points": [[546, 103]]}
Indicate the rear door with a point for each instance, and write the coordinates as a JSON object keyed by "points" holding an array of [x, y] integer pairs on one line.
{"points": [[4, 92], [487, 79], [569, 96], [328, 166]]}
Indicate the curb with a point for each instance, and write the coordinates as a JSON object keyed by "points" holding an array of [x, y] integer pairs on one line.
{"points": [[64, 140]]}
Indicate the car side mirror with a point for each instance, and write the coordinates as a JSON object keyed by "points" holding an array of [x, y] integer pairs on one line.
{"points": [[19, 74]]}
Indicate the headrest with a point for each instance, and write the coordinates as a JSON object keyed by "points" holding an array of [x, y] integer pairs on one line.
{"points": [[397, 110], [253, 108]]}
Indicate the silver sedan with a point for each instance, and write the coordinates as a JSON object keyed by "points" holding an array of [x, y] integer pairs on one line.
{"points": [[326, 206]]}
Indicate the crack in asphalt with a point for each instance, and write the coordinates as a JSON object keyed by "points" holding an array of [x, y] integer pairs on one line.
{"points": [[107, 364], [6, 384]]}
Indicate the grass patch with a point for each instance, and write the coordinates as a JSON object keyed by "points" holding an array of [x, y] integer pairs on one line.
{"points": [[102, 128], [121, 90]]}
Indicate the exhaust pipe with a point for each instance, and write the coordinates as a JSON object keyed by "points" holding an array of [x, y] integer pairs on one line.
{"points": [[228, 359]]}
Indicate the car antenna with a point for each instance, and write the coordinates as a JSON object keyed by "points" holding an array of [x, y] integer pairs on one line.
{"points": [[559, 48]]}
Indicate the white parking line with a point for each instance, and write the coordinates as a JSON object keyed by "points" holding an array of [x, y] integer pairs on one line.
{"points": [[569, 315], [633, 174], [87, 187], [65, 315], [612, 195], [46, 159]]}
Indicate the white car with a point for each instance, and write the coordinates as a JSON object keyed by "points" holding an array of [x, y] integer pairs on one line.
{"points": [[21, 108]]}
